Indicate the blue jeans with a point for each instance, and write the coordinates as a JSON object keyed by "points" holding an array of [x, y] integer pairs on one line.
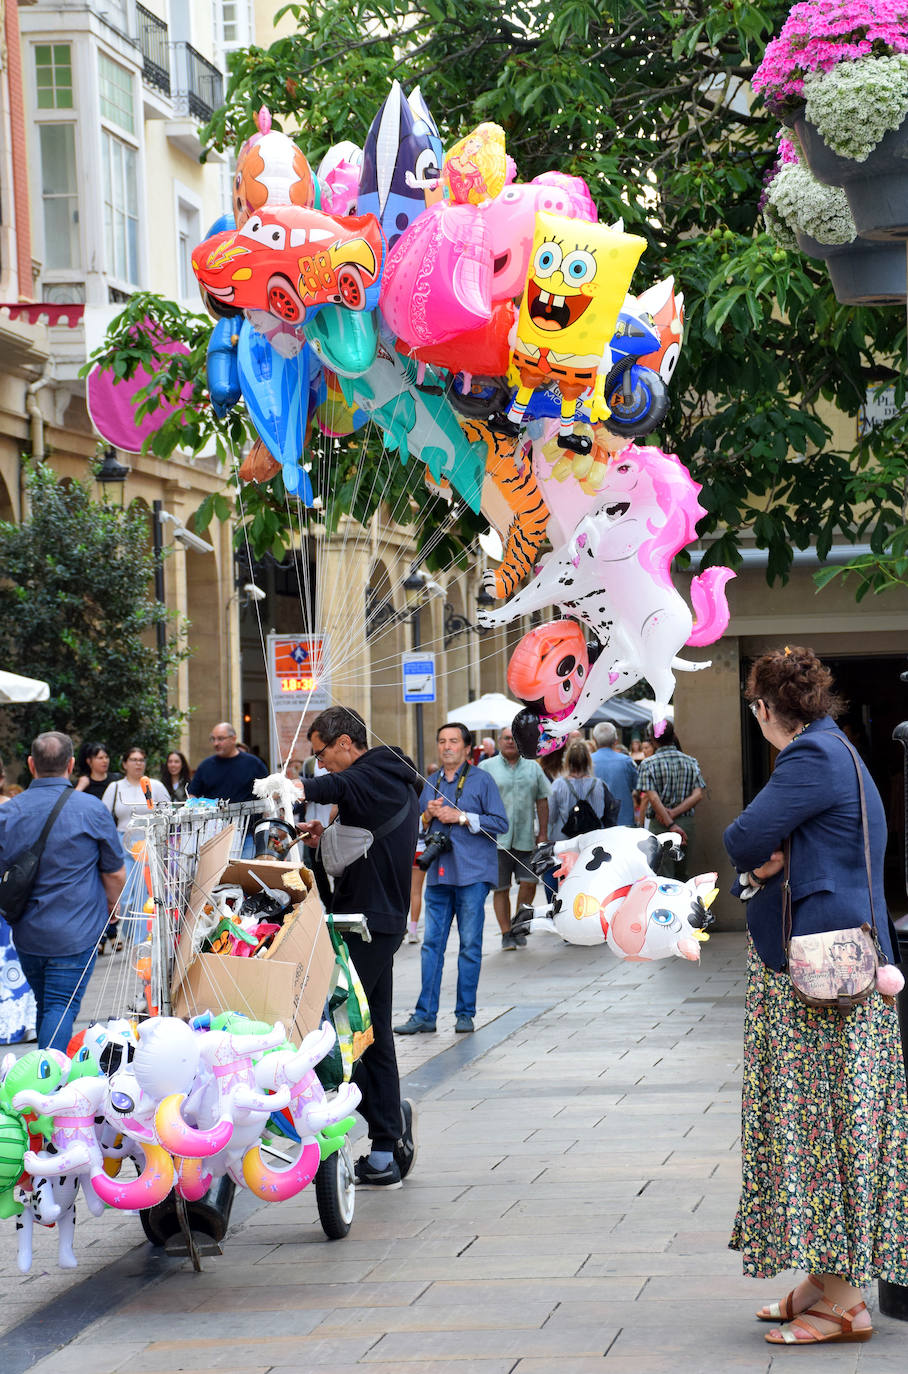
{"points": [[59, 983], [443, 904]]}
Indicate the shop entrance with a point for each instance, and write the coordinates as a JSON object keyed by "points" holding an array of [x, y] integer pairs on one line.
{"points": [[877, 702]]}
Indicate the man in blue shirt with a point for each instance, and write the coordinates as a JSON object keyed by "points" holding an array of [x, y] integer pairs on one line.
{"points": [[463, 807], [80, 876], [618, 771], [227, 774]]}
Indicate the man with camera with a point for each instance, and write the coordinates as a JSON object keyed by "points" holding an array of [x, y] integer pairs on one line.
{"points": [[463, 812]]}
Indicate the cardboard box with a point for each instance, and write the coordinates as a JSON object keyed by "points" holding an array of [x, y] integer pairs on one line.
{"points": [[288, 983]]}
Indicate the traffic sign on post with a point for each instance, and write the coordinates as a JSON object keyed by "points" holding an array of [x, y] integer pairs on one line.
{"points": [[418, 676]]}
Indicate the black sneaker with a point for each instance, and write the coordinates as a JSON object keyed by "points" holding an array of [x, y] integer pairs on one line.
{"points": [[508, 941], [405, 1149], [367, 1176], [521, 937]]}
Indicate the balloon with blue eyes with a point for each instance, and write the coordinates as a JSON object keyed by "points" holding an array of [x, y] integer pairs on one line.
{"points": [[611, 893]]}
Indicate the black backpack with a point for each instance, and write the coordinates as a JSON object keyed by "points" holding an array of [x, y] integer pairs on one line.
{"points": [[582, 818]]}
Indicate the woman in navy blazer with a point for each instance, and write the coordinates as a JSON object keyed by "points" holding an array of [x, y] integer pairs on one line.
{"points": [[824, 1112]]}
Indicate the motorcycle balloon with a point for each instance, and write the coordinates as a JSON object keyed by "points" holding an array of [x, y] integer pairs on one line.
{"points": [[276, 392], [637, 398]]}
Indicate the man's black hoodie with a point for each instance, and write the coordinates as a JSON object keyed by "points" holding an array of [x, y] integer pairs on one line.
{"points": [[368, 793]]}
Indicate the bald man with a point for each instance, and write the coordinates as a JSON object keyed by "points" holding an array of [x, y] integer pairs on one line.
{"points": [[228, 773]]}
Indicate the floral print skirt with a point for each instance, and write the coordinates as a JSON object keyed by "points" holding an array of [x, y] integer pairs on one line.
{"points": [[824, 1137]]}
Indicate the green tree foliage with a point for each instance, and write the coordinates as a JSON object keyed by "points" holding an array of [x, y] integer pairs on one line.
{"points": [[649, 102], [75, 610]]}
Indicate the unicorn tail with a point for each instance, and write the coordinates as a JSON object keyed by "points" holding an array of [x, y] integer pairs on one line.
{"points": [[707, 592]]}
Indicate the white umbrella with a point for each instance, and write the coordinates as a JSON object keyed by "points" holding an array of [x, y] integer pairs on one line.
{"points": [[491, 712], [14, 688]]}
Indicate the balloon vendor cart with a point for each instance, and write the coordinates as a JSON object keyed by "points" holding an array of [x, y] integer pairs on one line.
{"points": [[242, 954]]}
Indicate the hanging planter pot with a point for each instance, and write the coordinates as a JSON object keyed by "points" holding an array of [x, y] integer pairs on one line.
{"points": [[877, 189], [863, 272]]}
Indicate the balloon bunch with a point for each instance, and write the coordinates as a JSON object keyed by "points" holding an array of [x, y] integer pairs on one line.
{"points": [[438, 297], [485, 326], [188, 1103], [611, 894]]}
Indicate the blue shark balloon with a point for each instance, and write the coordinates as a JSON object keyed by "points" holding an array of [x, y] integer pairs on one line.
{"points": [[402, 157], [276, 392]]}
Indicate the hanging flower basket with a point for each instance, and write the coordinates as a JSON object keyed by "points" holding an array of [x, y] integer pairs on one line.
{"points": [[863, 272], [877, 188]]}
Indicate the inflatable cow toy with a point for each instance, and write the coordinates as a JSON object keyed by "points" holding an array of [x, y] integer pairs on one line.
{"points": [[611, 893]]}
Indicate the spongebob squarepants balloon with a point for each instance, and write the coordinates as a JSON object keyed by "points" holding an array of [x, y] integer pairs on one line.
{"points": [[578, 278]]}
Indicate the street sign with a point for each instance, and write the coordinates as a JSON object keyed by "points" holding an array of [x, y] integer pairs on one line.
{"points": [[297, 671], [418, 675]]}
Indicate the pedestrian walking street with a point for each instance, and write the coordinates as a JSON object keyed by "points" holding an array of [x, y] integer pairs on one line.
{"points": [[568, 1212]]}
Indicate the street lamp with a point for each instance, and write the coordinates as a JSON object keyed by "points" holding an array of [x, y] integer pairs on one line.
{"points": [[111, 473]]}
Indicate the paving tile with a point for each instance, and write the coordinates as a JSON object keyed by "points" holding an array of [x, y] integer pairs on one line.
{"points": [[472, 1343]]}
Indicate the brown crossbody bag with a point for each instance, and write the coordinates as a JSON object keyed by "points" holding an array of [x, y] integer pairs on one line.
{"points": [[835, 968]]}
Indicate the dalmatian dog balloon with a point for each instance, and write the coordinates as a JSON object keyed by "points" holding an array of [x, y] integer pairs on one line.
{"points": [[611, 893]]}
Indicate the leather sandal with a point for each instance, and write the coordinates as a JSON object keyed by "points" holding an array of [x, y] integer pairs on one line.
{"points": [[846, 1333], [785, 1311]]}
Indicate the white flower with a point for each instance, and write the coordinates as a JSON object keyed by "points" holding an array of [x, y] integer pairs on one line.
{"points": [[803, 203], [855, 104]]}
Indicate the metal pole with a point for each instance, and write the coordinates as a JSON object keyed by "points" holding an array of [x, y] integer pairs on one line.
{"points": [[158, 551], [420, 751]]}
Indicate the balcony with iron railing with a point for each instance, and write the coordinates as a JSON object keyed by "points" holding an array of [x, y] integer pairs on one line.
{"points": [[155, 49], [200, 86]]}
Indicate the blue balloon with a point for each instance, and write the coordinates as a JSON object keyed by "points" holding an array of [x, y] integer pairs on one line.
{"points": [[223, 373], [221, 224], [345, 340], [276, 392]]}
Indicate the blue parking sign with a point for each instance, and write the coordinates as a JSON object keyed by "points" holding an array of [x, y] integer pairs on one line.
{"points": [[418, 676]]}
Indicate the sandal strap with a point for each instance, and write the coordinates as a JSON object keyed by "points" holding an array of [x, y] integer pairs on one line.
{"points": [[789, 1337], [840, 1315]]}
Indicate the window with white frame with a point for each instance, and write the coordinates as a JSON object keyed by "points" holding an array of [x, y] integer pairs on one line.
{"points": [[189, 234], [233, 23], [121, 208], [54, 76], [60, 196], [116, 89]]}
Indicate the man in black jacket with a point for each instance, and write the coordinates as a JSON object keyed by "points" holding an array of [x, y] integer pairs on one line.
{"points": [[378, 790]]}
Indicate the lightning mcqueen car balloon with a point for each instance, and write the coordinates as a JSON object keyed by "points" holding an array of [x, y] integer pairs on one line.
{"points": [[290, 261]]}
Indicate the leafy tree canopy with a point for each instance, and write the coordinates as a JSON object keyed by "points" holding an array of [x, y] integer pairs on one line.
{"points": [[75, 610], [649, 101]]}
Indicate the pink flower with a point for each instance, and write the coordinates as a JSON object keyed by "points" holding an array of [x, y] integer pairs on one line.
{"points": [[818, 34]]}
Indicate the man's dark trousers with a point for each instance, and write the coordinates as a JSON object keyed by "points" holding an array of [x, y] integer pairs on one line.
{"points": [[375, 1074]]}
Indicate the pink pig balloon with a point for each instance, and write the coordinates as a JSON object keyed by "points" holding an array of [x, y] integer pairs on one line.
{"points": [[511, 220]]}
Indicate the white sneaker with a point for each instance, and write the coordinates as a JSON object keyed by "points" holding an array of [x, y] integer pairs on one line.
{"points": [[412, 932]]}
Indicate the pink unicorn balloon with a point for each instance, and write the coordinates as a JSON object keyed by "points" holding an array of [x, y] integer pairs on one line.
{"points": [[612, 573]]}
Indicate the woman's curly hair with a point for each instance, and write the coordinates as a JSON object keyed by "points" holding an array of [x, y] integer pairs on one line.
{"points": [[795, 683]]}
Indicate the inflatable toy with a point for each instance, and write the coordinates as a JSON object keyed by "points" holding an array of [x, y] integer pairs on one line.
{"points": [[401, 165], [270, 170]]}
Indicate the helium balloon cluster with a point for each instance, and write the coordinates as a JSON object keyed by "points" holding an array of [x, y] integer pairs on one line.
{"points": [[610, 893], [187, 1103], [486, 326]]}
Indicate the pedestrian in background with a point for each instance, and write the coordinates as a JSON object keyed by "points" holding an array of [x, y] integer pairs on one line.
{"points": [[577, 784], [824, 1111], [671, 786], [616, 769], [462, 812], [524, 790], [176, 775], [79, 879], [95, 774], [228, 774], [126, 799]]}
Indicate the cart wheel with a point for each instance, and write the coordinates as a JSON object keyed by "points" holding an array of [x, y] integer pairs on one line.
{"points": [[158, 1222], [335, 1192]]}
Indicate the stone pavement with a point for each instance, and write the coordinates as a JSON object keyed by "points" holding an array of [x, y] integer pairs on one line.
{"points": [[569, 1209]]}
